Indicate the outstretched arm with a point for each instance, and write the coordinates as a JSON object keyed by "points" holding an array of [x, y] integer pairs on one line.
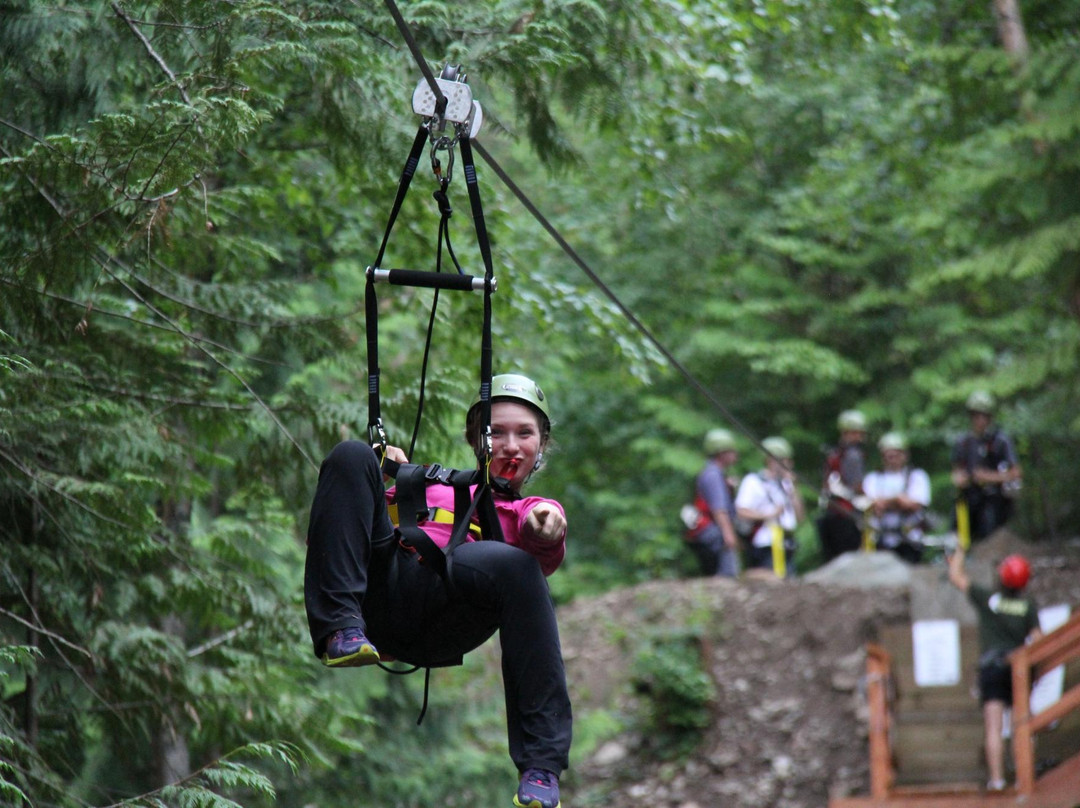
{"points": [[957, 574]]}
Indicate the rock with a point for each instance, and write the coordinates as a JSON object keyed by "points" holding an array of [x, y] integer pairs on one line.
{"points": [[782, 767], [848, 670], [864, 571], [609, 754]]}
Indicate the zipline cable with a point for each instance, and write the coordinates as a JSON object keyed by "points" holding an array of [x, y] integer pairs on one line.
{"points": [[418, 57], [421, 62], [629, 315]]}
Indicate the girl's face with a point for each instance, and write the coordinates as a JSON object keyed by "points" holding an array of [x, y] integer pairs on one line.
{"points": [[515, 441]]}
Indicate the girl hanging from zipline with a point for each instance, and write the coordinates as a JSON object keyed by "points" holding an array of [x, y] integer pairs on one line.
{"points": [[366, 587]]}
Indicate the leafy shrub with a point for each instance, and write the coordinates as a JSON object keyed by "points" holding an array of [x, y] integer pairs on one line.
{"points": [[676, 691]]}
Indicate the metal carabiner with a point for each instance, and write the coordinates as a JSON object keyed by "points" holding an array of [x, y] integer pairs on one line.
{"points": [[442, 143], [377, 437], [486, 454]]}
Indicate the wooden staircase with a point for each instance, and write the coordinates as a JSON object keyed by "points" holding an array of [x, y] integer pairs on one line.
{"points": [[926, 743]]}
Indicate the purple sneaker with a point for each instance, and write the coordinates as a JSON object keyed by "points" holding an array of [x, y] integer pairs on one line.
{"points": [[349, 648], [539, 789]]}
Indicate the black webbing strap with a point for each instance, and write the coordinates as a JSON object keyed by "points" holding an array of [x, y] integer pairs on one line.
{"points": [[412, 506], [411, 499], [371, 302], [376, 431], [469, 167]]}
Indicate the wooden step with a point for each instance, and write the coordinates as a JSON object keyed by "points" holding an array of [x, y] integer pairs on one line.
{"points": [[1057, 788], [938, 747]]}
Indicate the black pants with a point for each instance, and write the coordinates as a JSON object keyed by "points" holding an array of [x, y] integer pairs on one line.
{"points": [[356, 574], [986, 513], [838, 533], [713, 556]]}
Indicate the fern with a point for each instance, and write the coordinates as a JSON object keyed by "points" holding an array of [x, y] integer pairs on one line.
{"points": [[203, 788]]}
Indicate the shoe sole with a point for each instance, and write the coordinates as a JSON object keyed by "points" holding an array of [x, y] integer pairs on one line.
{"points": [[365, 655], [533, 803]]}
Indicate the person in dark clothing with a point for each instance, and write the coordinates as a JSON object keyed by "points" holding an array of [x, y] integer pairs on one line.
{"points": [[985, 469], [365, 590], [1007, 620], [839, 527]]}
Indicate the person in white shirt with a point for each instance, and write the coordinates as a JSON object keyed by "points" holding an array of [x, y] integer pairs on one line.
{"points": [[900, 495], [768, 500]]}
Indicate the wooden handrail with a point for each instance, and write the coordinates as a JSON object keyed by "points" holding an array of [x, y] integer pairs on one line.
{"points": [[1056, 648], [1029, 662], [878, 667]]}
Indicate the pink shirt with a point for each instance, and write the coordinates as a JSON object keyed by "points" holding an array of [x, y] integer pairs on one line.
{"points": [[512, 515]]}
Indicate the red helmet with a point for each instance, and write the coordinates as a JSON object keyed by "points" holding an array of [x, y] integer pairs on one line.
{"points": [[1014, 572]]}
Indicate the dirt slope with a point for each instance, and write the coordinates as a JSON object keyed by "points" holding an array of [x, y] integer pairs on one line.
{"points": [[785, 726]]}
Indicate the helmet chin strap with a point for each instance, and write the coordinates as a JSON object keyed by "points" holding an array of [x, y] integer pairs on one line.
{"points": [[539, 461]]}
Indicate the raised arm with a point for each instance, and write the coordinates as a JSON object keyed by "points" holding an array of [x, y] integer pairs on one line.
{"points": [[957, 574]]}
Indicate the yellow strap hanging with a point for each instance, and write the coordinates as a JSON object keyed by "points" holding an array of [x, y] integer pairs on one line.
{"points": [[779, 558], [963, 523], [867, 536]]}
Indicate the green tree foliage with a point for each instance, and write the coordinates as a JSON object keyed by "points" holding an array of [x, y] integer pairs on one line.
{"points": [[813, 205], [190, 193], [867, 208]]}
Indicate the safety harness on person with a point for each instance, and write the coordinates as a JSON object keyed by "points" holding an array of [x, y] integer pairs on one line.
{"points": [[411, 510]]}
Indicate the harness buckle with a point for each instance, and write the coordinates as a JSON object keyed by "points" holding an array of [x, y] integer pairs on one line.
{"points": [[438, 474]]}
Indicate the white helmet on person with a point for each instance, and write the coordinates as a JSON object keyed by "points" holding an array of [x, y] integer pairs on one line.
{"points": [[893, 441], [980, 401], [778, 447], [717, 441], [851, 421]]}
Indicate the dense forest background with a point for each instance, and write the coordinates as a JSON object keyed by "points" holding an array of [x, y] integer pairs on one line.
{"points": [[808, 205]]}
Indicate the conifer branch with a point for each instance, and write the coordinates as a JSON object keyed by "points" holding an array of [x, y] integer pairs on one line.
{"points": [[52, 635], [105, 262], [220, 639], [150, 51]]}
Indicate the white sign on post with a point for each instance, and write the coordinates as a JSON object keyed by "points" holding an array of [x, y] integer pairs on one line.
{"points": [[1048, 687], [936, 651]]}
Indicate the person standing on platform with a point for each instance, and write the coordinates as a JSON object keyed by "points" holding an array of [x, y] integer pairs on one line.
{"points": [[712, 537]]}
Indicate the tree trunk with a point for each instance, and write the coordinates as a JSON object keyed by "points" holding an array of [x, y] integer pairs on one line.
{"points": [[171, 755], [1011, 29]]}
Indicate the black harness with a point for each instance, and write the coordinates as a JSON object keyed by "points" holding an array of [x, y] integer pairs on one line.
{"points": [[413, 511], [412, 480]]}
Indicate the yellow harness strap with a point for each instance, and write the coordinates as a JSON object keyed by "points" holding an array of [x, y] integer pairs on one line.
{"points": [[963, 523], [868, 544], [779, 557], [439, 515]]}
